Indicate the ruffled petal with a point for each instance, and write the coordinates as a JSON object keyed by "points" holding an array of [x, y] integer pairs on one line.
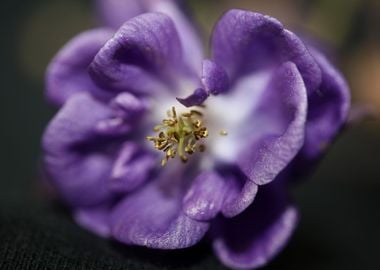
{"points": [[214, 81], [204, 199], [241, 194], [76, 159], [128, 111], [244, 42], [253, 238], [214, 78], [328, 109], [132, 168], [153, 217], [195, 99], [226, 190], [280, 119], [116, 12], [94, 219], [191, 43], [143, 57], [67, 73]]}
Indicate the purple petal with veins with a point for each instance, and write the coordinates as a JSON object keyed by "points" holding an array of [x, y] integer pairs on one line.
{"points": [[132, 168], [195, 99], [204, 199], [214, 78]]}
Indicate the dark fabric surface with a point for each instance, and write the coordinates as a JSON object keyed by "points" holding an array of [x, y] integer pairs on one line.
{"points": [[339, 205]]}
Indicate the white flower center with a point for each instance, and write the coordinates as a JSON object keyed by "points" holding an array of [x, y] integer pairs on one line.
{"points": [[225, 123]]}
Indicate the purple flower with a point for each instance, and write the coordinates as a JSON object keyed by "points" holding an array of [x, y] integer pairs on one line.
{"points": [[153, 146]]}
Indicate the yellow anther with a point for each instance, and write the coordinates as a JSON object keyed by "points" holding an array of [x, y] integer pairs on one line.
{"points": [[223, 133], [157, 128], [197, 123], [184, 158], [170, 153], [163, 162], [179, 134], [190, 149]]}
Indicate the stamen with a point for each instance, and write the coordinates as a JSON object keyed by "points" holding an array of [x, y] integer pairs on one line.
{"points": [[223, 133], [179, 134]]}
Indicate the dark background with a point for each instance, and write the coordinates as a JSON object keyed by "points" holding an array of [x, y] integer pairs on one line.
{"points": [[340, 225]]}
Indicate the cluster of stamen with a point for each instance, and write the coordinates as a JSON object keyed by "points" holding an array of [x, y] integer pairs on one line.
{"points": [[180, 135]]}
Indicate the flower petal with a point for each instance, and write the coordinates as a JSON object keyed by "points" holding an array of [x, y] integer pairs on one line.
{"points": [[281, 116], [94, 219], [244, 41], [76, 159], [214, 81], [117, 12], [214, 77], [153, 217], [204, 199], [67, 73], [195, 99], [128, 111], [141, 57], [328, 109], [253, 238], [241, 193], [131, 169], [191, 43]]}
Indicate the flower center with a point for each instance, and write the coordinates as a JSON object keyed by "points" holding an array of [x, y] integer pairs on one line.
{"points": [[180, 135]]}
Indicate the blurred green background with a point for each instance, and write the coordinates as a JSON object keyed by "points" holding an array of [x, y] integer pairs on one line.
{"points": [[340, 225]]}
